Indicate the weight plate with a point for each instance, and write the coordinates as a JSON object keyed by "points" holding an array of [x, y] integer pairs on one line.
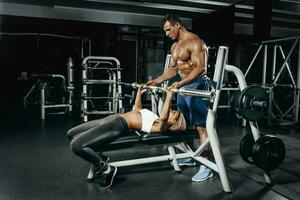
{"points": [[246, 146], [253, 103], [268, 152]]}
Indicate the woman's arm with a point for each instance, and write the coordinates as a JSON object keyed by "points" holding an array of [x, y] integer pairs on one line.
{"points": [[162, 124], [138, 99]]}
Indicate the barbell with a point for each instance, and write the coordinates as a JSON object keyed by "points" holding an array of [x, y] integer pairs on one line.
{"points": [[266, 153], [182, 91]]}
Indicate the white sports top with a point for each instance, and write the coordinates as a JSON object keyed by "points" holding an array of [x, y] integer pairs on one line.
{"points": [[148, 118]]}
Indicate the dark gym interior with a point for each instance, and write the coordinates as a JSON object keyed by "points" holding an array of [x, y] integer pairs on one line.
{"points": [[41, 40]]}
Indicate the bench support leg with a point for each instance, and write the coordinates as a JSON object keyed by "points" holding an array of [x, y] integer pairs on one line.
{"points": [[91, 173], [215, 145], [174, 159]]}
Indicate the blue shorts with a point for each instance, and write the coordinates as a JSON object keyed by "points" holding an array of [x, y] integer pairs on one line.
{"points": [[194, 108]]}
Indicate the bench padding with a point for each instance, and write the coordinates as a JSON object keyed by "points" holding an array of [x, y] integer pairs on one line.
{"points": [[132, 138]]}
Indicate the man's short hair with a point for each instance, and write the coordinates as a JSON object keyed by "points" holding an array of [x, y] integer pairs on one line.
{"points": [[170, 17]]}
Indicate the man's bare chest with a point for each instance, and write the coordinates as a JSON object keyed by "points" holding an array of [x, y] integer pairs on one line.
{"points": [[181, 53]]}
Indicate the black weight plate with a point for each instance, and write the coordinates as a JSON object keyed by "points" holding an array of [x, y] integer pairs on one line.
{"points": [[244, 103], [246, 146], [268, 152]]}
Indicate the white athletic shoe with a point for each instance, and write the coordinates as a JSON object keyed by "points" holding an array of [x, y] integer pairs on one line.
{"points": [[203, 174], [185, 162]]}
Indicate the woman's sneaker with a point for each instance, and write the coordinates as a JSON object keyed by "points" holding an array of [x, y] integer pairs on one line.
{"points": [[185, 162], [94, 170], [203, 174], [107, 177]]}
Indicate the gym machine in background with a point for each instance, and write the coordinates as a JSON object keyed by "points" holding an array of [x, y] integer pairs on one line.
{"points": [[55, 85], [281, 80], [101, 93]]}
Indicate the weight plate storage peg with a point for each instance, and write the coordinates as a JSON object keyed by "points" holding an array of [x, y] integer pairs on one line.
{"points": [[253, 103], [268, 152], [246, 146]]}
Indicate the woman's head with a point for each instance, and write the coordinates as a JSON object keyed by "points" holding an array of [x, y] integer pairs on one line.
{"points": [[176, 121]]}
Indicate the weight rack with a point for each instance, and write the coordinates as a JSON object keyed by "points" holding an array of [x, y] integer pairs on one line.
{"points": [[101, 71]]}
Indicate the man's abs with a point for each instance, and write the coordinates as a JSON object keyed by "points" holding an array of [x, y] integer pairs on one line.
{"points": [[185, 68]]}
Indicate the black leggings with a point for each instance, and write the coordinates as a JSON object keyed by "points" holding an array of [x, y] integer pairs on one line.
{"points": [[89, 138]]}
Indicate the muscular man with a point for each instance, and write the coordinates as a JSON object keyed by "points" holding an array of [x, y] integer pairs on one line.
{"points": [[189, 59], [89, 139]]}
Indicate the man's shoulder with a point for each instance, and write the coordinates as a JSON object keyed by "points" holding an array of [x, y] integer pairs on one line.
{"points": [[194, 36], [194, 42]]}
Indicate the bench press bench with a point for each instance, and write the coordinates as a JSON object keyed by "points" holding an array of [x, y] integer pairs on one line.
{"points": [[171, 139], [134, 138]]}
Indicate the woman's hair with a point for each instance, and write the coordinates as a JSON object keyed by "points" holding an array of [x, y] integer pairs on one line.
{"points": [[170, 17], [180, 124]]}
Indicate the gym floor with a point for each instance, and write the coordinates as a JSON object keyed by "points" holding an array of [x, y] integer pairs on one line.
{"points": [[36, 163]]}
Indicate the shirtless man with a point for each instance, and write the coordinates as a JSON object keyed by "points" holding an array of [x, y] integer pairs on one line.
{"points": [[189, 59]]}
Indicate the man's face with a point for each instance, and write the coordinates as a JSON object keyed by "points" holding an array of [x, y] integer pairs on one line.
{"points": [[171, 30]]}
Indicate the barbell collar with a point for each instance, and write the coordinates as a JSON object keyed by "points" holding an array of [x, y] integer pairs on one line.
{"points": [[202, 93], [262, 104]]}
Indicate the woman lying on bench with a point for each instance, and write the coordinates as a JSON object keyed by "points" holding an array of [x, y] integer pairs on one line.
{"points": [[89, 138]]}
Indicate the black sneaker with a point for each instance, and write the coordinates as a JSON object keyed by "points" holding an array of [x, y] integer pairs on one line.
{"points": [[106, 179], [105, 159], [94, 171]]}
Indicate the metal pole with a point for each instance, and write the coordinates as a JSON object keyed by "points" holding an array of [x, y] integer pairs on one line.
{"points": [[264, 73], [298, 89], [84, 94], [70, 86], [84, 62], [257, 52], [42, 86], [274, 61], [287, 66], [211, 131], [279, 40], [219, 68], [121, 110], [270, 113], [215, 145], [286, 59]]}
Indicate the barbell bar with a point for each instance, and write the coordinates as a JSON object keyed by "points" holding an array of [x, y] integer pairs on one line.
{"points": [[182, 91]]}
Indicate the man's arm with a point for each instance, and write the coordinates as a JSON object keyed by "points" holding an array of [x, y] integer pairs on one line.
{"points": [[168, 74]]}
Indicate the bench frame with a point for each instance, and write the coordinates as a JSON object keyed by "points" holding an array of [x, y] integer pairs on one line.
{"points": [[212, 140]]}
